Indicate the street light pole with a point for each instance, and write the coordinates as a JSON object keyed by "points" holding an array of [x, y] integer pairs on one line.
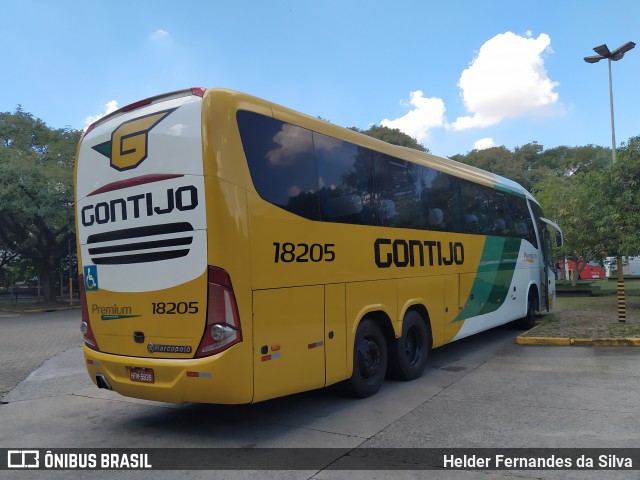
{"points": [[604, 52], [613, 127]]}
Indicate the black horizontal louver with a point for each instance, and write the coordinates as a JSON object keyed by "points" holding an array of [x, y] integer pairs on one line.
{"points": [[140, 238]]}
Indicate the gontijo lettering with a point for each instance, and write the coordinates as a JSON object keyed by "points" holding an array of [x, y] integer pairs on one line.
{"points": [[411, 253], [181, 199]]}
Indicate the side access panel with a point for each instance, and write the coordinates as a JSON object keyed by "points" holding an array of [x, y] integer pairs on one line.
{"points": [[335, 333], [288, 339], [452, 306]]}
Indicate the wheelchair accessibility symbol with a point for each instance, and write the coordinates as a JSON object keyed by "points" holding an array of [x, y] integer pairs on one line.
{"points": [[90, 277]]}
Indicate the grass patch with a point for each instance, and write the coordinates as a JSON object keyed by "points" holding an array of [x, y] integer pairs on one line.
{"points": [[593, 316], [579, 286], [610, 287]]}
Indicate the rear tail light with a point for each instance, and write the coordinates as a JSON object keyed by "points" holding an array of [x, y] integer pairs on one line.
{"points": [[198, 91], [138, 104], [85, 326], [223, 321]]}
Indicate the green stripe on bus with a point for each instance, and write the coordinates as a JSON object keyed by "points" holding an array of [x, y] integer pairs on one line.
{"points": [[507, 189], [493, 279]]}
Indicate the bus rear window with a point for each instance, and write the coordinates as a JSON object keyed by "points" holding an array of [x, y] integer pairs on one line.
{"points": [[282, 163]]}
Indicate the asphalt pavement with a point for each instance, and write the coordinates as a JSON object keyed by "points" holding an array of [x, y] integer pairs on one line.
{"points": [[29, 339], [482, 392]]}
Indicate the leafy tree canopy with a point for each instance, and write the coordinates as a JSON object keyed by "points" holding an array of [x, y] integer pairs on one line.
{"points": [[393, 136], [620, 212], [36, 187]]}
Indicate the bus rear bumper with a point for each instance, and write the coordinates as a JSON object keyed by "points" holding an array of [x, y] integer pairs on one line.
{"points": [[205, 380]]}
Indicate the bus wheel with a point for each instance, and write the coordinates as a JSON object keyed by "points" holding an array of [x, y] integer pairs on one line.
{"points": [[408, 354], [369, 360], [529, 320]]}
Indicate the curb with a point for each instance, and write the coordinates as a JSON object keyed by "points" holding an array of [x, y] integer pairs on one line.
{"points": [[521, 340], [579, 342], [40, 310]]}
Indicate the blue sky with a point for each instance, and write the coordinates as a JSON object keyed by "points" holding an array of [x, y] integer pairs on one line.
{"points": [[458, 75]]}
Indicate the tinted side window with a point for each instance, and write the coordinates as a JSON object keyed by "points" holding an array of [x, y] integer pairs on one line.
{"points": [[537, 213], [346, 181], [473, 208], [443, 212], [281, 162], [523, 224], [498, 211], [401, 192]]}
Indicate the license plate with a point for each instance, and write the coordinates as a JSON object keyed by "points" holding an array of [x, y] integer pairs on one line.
{"points": [[142, 375]]}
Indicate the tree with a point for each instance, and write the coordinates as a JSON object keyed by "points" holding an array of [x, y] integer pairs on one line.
{"points": [[564, 161], [498, 160], [530, 164], [393, 136], [36, 187], [575, 203], [621, 213], [519, 165]]}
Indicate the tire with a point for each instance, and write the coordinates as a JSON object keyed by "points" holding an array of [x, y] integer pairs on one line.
{"points": [[529, 320], [369, 361], [408, 354]]}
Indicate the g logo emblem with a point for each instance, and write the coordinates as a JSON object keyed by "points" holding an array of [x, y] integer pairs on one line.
{"points": [[128, 146]]}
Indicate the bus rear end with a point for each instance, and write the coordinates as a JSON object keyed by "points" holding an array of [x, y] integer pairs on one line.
{"points": [[159, 322]]}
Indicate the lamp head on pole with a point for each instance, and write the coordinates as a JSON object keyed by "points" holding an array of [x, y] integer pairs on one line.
{"points": [[604, 52], [593, 59], [619, 52]]}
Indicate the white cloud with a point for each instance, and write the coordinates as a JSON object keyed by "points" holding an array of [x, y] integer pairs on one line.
{"points": [[484, 143], [507, 80], [159, 35], [427, 113], [111, 106]]}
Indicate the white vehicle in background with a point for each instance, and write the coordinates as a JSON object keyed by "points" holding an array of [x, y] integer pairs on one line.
{"points": [[630, 266]]}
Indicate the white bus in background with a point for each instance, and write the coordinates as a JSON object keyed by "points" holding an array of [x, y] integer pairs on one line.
{"points": [[630, 266]]}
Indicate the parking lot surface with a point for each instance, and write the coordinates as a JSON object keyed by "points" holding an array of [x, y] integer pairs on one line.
{"points": [[481, 392]]}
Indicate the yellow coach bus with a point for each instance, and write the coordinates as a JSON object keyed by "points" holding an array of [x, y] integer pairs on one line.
{"points": [[232, 250]]}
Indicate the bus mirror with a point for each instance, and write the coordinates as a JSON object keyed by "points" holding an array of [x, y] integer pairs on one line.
{"points": [[556, 228]]}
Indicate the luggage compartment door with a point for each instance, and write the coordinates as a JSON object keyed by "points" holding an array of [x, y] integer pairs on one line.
{"points": [[288, 329]]}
